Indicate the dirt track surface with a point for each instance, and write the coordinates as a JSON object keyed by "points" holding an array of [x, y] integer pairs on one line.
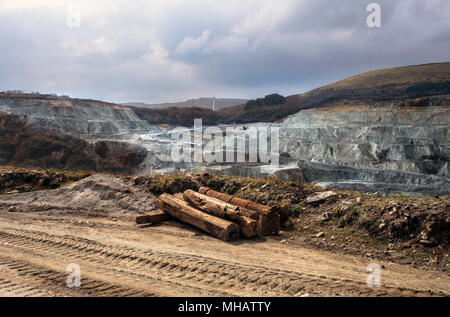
{"points": [[119, 259], [41, 233]]}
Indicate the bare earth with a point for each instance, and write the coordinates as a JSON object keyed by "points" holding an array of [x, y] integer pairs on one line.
{"points": [[118, 258]]}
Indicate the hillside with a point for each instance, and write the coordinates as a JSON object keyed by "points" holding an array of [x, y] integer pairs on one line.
{"points": [[387, 85], [25, 145], [177, 116], [204, 103], [410, 85]]}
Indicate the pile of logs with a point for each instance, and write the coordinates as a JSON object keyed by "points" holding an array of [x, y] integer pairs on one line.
{"points": [[223, 216]]}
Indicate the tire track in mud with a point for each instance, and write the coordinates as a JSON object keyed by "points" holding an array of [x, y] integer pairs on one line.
{"points": [[10, 289], [199, 274], [30, 280]]}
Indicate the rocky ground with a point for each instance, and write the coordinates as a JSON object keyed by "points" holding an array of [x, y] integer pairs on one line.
{"points": [[322, 251], [412, 230]]}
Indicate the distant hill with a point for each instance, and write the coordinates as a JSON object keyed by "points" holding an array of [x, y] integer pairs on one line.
{"points": [[401, 85], [204, 103], [177, 116], [376, 86]]}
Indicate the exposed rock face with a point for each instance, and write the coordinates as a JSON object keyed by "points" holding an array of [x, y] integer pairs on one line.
{"points": [[388, 147], [374, 148], [384, 148], [87, 118]]}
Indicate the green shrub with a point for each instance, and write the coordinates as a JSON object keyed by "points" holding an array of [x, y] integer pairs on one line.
{"points": [[231, 190], [296, 211]]}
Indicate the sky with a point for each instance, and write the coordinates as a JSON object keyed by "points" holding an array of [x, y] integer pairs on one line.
{"points": [[172, 50]]}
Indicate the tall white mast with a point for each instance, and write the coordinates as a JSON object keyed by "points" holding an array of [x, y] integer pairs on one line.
{"points": [[214, 103]]}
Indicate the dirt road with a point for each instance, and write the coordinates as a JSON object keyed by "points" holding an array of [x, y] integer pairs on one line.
{"points": [[117, 258]]}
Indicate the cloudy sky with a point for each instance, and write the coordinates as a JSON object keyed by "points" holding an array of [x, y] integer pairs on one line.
{"points": [[171, 50]]}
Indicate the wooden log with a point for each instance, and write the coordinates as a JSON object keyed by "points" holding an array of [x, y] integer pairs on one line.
{"points": [[179, 195], [178, 208], [252, 214], [262, 209], [217, 207], [154, 217], [269, 217]]}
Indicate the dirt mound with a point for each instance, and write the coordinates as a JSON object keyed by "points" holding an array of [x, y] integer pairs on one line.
{"points": [[409, 220], [273, 192], [15, 180], [104, 193]]}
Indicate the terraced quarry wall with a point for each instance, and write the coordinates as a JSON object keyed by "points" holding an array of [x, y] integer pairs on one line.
{"points": [[373, 145], [88, 118], [386, 146]]}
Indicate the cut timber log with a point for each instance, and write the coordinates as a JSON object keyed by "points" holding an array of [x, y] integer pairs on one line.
{"points": [[221, 205], [178, 208], [154, 217], [222, 209], [262, 209], [269, 217]]}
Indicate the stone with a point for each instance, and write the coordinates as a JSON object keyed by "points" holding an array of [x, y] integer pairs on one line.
{"points": [[345, 205], [319, 235], [323, 217], [320, 197], [427, 243]]}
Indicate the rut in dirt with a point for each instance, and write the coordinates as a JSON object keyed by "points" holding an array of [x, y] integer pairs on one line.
{"points": [[200, 274]]}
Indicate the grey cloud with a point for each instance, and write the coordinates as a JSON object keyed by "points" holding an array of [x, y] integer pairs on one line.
{"points": [[171, 50]]}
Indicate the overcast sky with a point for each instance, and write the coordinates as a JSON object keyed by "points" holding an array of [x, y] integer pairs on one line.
{"points": [[172, 50]]}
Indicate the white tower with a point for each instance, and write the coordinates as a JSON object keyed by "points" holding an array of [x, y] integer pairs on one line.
{"points": [[214, 103]]}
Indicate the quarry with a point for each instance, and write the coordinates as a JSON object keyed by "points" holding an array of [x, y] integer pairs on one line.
{"points": [[384, 148], [295, 199]]}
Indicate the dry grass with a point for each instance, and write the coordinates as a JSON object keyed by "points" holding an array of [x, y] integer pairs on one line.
{"points": [[400, 76]]}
